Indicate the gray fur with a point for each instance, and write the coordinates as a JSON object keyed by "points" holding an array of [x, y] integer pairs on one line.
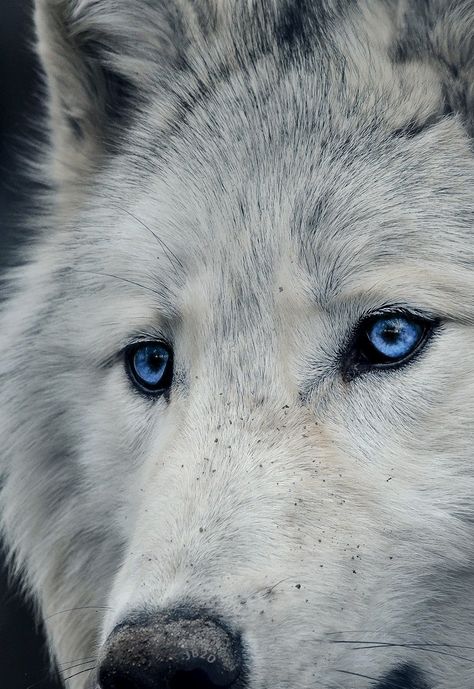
{"points": [[248, 179]]}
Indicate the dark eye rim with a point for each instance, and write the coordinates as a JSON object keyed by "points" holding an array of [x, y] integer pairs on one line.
{"points": [[360, 356], [164, 384]]}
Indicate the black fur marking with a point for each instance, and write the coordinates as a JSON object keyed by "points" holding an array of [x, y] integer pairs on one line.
{"points": [[291, 29], [414, 128], [421, 26], [303, 24], [121, 97], [195, 97], [403, 677]]}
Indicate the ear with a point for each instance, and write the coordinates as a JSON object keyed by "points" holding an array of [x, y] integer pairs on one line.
{"points": [[441, 32], [102, 58]]}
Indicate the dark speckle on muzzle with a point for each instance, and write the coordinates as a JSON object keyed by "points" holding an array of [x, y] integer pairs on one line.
{"points": [[403, 677], [176, 650]]}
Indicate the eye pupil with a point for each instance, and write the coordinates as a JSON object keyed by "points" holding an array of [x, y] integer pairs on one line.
{"points": [[391, 335], [155, 361], [149, 366]]}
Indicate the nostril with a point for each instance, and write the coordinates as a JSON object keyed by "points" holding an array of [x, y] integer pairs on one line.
{"points": [[182, 679], [124, 684], [193, 679]]}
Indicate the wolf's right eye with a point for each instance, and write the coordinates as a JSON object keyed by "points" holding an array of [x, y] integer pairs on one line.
{"points": [[387, 340], [150, 366]]}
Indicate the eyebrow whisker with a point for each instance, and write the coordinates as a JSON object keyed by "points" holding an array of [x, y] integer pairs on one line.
{"points": [[117, 277], [168, 252]]}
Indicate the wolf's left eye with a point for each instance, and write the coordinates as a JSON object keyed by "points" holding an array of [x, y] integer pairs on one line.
{"points": [[387, 340], [150, 366]]}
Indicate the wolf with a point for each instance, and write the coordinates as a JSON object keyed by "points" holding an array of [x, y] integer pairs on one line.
{"points": [[237, 372]]}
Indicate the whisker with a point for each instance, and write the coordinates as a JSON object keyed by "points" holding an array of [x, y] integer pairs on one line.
{"points": [[117, 277], [82, 607], [66, 668], [76, 660], [353, 631], [374, 679], [88, 669], [269, 589], [420, 645], [387, 643], [396, 643], [158, 239]]}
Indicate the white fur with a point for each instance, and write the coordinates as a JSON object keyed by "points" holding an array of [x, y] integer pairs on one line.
{"points": [[309, 511]]}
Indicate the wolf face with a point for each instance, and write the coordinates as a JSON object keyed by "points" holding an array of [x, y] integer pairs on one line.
{"points": [[237, 380]]}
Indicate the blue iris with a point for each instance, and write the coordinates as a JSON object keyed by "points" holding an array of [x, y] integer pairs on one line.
{"points": [[395, 337], [150, 365]]}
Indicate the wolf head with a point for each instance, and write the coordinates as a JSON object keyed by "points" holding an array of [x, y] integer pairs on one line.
{"points": [[237, 373]]}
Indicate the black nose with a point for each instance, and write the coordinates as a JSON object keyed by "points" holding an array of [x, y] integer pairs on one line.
{"points": [[177, 650]]}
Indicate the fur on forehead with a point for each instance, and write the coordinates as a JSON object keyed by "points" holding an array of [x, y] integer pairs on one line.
{"points": [[106, 61]]}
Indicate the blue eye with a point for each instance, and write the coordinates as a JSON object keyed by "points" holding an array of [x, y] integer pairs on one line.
{"points": [[385, 341], [395, 337], [150, 366]]}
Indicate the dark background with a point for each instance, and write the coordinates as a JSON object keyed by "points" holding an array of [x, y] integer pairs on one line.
{"points": [[22, 653]]}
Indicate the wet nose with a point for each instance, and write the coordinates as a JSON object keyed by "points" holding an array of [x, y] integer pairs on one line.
{"points": [[178, 650]]}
